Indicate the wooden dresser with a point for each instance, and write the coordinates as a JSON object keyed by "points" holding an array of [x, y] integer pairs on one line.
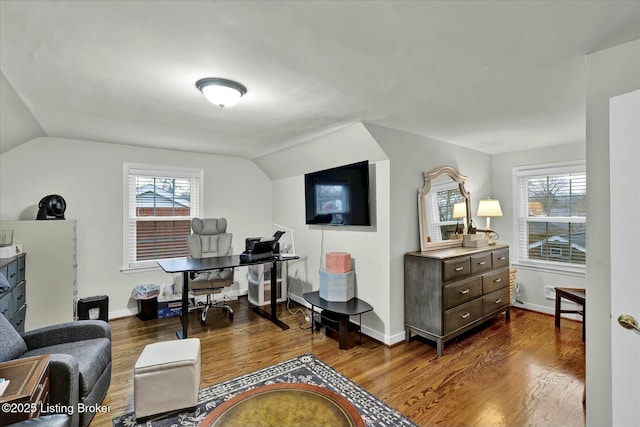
{"points": [[449, 291]]}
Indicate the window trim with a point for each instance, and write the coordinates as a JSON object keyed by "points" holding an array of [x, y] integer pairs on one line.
{"points": [[575, 166], [153, 170]]}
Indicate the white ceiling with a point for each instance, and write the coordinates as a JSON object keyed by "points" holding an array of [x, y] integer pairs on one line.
{"points": [[495, 76]]}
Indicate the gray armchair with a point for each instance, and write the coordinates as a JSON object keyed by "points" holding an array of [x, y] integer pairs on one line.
{"points": [[210, 239], [79, 361]]}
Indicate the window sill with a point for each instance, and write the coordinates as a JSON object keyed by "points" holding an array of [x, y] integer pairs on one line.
{"points": [[130, 270], [563, 270]]}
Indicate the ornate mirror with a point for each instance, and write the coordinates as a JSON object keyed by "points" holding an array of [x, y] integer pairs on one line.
{"points": [[443, 188]]}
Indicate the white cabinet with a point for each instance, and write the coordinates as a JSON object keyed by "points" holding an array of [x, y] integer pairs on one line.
{"points": [[50, 246], [260, 283]]}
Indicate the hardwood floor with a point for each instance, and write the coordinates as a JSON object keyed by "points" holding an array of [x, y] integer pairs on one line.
{"points": [[515, 373]]}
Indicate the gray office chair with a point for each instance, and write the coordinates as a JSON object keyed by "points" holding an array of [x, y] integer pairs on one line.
{"points": [[210, 239]]}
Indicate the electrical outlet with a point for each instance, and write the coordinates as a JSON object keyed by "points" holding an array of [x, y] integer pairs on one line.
{"points": [[550, 292]]}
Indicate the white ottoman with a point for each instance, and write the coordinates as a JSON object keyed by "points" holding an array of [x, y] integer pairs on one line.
{"points": [[166, 377]]}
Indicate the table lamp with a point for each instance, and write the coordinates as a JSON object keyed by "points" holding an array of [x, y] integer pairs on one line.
{"points": [[293, 243], [460, 212], [489, 208]]}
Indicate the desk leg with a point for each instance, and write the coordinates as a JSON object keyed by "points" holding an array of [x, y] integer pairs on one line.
{"points": [[182, 334], [558, 308], [273, 316]]}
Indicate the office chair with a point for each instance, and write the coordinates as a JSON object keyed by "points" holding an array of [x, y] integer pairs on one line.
{"points": [[210, 239]]}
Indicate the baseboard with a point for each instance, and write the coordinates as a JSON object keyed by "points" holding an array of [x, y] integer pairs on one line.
{"points": [[549, 310]]}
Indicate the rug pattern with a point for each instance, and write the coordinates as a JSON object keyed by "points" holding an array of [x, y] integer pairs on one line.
{"points": [[303, 369]]}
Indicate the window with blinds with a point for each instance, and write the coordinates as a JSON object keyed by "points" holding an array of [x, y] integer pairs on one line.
{"points": [[552, 215], [159, 205]]}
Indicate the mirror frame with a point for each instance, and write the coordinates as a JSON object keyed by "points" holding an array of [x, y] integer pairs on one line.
{"points": [[428, 177]]}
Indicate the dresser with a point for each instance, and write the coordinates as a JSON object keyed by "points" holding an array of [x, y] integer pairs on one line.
{"points": [[449, 291], [13, 303]]}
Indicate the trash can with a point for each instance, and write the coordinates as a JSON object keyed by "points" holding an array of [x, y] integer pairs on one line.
{"points": [[93, 308], [147, 298], [148, 308]]}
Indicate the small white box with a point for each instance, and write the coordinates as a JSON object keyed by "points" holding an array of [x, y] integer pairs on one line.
{"points": [[474, 241], [337, 286]]}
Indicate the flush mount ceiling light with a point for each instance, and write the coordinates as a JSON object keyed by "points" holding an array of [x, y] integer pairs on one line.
{"points": [[221, 92]]}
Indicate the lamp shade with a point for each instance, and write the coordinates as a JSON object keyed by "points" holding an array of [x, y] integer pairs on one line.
{"points": [[489, 208], [459, 210], [221, 92]]}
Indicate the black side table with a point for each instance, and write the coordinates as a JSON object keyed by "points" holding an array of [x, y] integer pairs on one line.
{"points": [[335, 316]]}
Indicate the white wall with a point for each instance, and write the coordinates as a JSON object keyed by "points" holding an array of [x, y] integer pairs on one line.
{"points": [[89, 175], [17, 124], [368, 246], [610, 72], [531, 281], [410, 155]]}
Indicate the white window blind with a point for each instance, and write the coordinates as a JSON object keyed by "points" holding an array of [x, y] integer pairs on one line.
{"points": [[159, 205], [552, 215]]}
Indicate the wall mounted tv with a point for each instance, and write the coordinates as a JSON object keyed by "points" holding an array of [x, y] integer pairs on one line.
{"points": [[338, 196]]}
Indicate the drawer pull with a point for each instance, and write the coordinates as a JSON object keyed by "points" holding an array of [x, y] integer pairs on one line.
{"points": [[482, 262], [12, 275], [498, 280], [498, 301], [502, 258], [459, 268], [4, 312], [465, 291], [465, 315], [20, 297]]}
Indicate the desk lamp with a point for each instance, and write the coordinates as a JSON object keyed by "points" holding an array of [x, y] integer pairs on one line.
{"points": [[293, 243], [489, 208]]}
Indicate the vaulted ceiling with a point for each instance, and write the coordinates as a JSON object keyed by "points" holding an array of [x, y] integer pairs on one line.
{"points": [[495, 76]]}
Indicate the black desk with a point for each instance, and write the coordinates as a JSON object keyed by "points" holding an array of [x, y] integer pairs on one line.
{"points": [[577, 295], [188, 265], [336, 315]]}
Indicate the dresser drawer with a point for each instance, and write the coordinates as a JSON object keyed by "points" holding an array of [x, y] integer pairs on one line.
{"points": [[12, 273], [455, 268], [6, 304], [460, 292], [495, 301], [480, 262], [495, 280], [19, 295], [462, 315], [22, 268], [500, 258], [18, 319]]}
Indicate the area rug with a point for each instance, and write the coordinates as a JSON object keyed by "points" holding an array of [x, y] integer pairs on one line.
{"points": [[306, 369]]}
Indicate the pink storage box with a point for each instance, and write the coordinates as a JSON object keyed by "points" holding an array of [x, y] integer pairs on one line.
{"points": [[338, 262]]}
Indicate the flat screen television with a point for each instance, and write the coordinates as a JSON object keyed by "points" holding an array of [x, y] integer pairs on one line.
{"points": [[338, 196]]}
